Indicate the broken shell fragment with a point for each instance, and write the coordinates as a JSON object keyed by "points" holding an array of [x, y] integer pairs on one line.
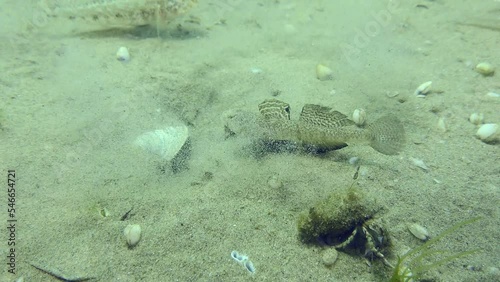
{"points": [[419, 163], [323, 72], [419, 231], [359, 116], [423, 89]]}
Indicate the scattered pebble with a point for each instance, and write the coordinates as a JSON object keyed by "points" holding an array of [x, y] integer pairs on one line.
{"points": [[329, 256], [476, 118], [122, 54], [486, 69], [323, 72], [423, 89], [419, 231], [488, 132]]}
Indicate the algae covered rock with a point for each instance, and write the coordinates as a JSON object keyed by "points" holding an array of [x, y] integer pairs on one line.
{"points": [[334, 218]]}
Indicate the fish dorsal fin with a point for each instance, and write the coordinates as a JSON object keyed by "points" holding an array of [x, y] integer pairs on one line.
{"points": [[316, 115], [274, 110]]}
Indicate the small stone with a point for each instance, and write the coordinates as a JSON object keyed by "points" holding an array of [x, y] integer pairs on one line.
{"points": [[329, 256]]}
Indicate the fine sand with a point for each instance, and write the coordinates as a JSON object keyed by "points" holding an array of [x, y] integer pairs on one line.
{"points": [[71, 112]]}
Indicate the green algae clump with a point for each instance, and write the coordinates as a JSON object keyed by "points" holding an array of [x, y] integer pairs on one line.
{"points": [[334, 218]]}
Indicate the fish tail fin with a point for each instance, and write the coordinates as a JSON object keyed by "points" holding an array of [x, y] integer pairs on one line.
{"points": [[387, 135]]}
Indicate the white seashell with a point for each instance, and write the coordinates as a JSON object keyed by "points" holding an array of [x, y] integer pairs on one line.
{"points": [[419, 231], [359, 116], [122, 54], [165, 143], [132, 234], [476, 118], [488, 132], [485, 69], [423, 89], [323, 72]]}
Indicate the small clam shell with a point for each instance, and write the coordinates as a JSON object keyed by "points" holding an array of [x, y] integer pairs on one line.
{"points": [[323, 72], [359, 116], [122, 54], [419, 231], [476, 118], [488, 132], [485, 69], [132, 234], [165, 143], [423, 89]]}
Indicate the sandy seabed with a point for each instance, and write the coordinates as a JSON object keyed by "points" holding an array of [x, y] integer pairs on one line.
{"points": [[71, 112]]}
